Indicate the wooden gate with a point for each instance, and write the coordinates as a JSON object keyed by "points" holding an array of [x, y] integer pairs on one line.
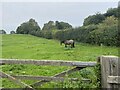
{"points": [[109, 71], [43, 79]]}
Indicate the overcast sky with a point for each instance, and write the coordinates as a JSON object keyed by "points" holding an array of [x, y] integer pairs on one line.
{"points": [[15, 13]]}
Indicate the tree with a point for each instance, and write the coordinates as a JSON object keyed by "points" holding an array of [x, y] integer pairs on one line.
{"points": [[49, 26], [12, 32], [62, 25], [28, 27], [94, 19], [2, 32], [112, 12], [106, 33]]}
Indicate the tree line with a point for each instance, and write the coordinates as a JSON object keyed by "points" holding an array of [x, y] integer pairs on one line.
{"points": [[97, 29], [4, 32]]}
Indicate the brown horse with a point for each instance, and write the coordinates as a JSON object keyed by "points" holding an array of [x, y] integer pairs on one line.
{"points": [[68, 42]]}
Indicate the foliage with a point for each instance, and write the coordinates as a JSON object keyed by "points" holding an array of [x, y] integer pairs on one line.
{"points": [[98, 18], [2, 32], [86, 73], [49, 26], [94, 19], [106, 33], [64, 34], [79, 34], [57, 25], [62, 25], [97, 70], [47, 34], [112, 12], [12, 32], [30, 27]]}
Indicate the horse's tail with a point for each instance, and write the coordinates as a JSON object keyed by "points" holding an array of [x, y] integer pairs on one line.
{"points": [[73, 44]]}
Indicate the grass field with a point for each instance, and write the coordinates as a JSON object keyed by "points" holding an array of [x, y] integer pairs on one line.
{"points": [[31, 47]]}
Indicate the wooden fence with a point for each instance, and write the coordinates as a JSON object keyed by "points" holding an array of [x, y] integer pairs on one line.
{"points": [[110, 75]]}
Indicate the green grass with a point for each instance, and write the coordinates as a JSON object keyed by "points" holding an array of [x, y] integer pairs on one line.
{"points": [[31, 47]]}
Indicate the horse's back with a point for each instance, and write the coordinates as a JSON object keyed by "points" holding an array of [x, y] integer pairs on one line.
{"points": [[69, 41]]}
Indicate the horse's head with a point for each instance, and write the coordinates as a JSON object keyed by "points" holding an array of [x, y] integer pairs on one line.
{"points": [[61, 42]]}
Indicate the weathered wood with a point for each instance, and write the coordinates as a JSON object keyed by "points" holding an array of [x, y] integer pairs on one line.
{"points": [[109, 67], [39, 83], [1, 62], [68, 72], [113, 79], [15, 80], [46, 78], [98, 73], [48, 62]]}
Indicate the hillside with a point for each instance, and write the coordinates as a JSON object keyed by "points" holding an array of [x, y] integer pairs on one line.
{"points": [[31, 47]]}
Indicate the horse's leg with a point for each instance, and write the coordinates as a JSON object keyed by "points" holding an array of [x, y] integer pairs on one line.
{"points": [[73, 44], [65, 45]]}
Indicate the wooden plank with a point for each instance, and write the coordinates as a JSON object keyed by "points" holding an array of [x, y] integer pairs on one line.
{"points": [[1, 63], [114, 71], [68, 71], [39, 83], [16, 81], [113, 79], [48, 62], [46, 78], [109, 67]]}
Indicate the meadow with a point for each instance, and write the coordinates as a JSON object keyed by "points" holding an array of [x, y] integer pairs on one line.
{"points": [[31, 47]]}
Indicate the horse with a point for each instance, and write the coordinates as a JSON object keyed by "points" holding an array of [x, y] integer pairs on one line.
{"points": [[68, 42]]}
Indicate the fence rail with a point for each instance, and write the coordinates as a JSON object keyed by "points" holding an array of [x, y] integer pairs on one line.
{"points": [[48, 62], [22, 84], [46, 78]]}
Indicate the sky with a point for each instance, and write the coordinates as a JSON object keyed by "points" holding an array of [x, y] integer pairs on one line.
{"points": [[12, 14]]}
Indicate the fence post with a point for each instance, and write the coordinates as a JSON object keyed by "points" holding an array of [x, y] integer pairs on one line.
{"points": [[98, 72], [110, 72]]}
